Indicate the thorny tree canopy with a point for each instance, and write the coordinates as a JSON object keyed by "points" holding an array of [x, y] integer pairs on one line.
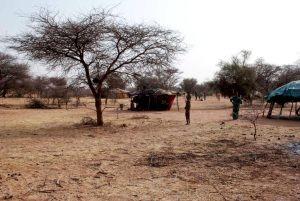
{"points": [[165, 78], [14, 76], [97, 45]]}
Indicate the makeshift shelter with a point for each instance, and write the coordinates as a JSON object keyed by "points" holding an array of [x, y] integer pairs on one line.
{"points": [[152, 99], [284, 94]]}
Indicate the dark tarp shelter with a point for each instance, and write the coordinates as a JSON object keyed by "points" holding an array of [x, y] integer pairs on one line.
{"points": [[153, 99], [284, 94]]}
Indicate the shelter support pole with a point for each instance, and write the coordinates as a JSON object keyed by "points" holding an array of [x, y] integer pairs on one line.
{"points": [[280, 113], [296, 107], [265, 109], [114, 98], [107, 94], [148, 102], [177, 101], [270, 110], [291, 109]]}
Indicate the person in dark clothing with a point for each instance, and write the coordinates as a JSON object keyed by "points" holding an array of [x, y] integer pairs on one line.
{"points": [[236, 102], [188, 108]]}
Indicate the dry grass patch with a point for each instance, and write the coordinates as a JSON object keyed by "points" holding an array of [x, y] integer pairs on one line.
{"points": [[137, 117]]}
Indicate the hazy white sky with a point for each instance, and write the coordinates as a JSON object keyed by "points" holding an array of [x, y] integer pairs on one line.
{"points": [[213, 29]]}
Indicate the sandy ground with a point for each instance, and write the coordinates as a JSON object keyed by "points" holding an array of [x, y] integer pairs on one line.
{"points": [[48, 155]]}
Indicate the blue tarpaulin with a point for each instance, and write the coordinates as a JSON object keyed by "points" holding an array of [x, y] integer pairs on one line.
{"points": [[286, 93]]}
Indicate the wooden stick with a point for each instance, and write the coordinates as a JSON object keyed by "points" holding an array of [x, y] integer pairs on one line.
{"points": [[270, 110], [291, 109], [281, 110], [177, 101], [265, 109]]}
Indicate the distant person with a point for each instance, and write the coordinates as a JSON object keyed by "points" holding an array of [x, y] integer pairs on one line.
{"points": [[188, 108], [236, 102], [196, 95], [204, 96]]}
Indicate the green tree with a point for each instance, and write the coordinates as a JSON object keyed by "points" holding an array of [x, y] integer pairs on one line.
{"points": [[14, 76], [236, 77], [188, 85]]}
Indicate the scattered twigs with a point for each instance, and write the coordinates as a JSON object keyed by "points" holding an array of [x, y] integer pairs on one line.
{"points": [[218, 191], [252, 116]]}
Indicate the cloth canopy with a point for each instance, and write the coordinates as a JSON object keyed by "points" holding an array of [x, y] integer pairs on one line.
{"points": [[286, 93]]}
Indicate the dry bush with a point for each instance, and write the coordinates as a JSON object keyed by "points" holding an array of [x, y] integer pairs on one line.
{"points": [[36, 104], [140, 117], [251, 115], [88, 121], [161, 159]]}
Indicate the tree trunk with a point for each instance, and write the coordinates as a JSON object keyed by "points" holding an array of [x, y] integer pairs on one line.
{"points": [[98, 105], [250, 101], [265, 109], [58, 103], [106, 99], [291, 110], [4, 92], [270, 110], [255, 130], [177, 101], [280, 113], [77, 101]]}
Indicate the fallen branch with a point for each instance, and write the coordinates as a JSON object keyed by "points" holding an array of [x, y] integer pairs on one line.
{"points": [[46, 191]]}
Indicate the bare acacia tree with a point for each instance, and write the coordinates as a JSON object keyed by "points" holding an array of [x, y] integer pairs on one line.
{"points": [[266, 76], [97, 45]]}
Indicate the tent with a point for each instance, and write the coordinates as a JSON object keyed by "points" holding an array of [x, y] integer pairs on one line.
{"points": [[284, 94], [152, 99]]}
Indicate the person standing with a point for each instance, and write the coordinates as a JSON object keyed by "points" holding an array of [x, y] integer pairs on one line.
{"points": [[188, 108], [236, 102]]}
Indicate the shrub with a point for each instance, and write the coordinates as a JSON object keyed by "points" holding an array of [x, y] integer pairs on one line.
{"points": [[36, 104], [88, 121]]}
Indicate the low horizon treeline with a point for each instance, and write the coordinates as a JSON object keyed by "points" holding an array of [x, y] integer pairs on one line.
{"points": [[16, 81], [249, 80], [235, 77]]}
